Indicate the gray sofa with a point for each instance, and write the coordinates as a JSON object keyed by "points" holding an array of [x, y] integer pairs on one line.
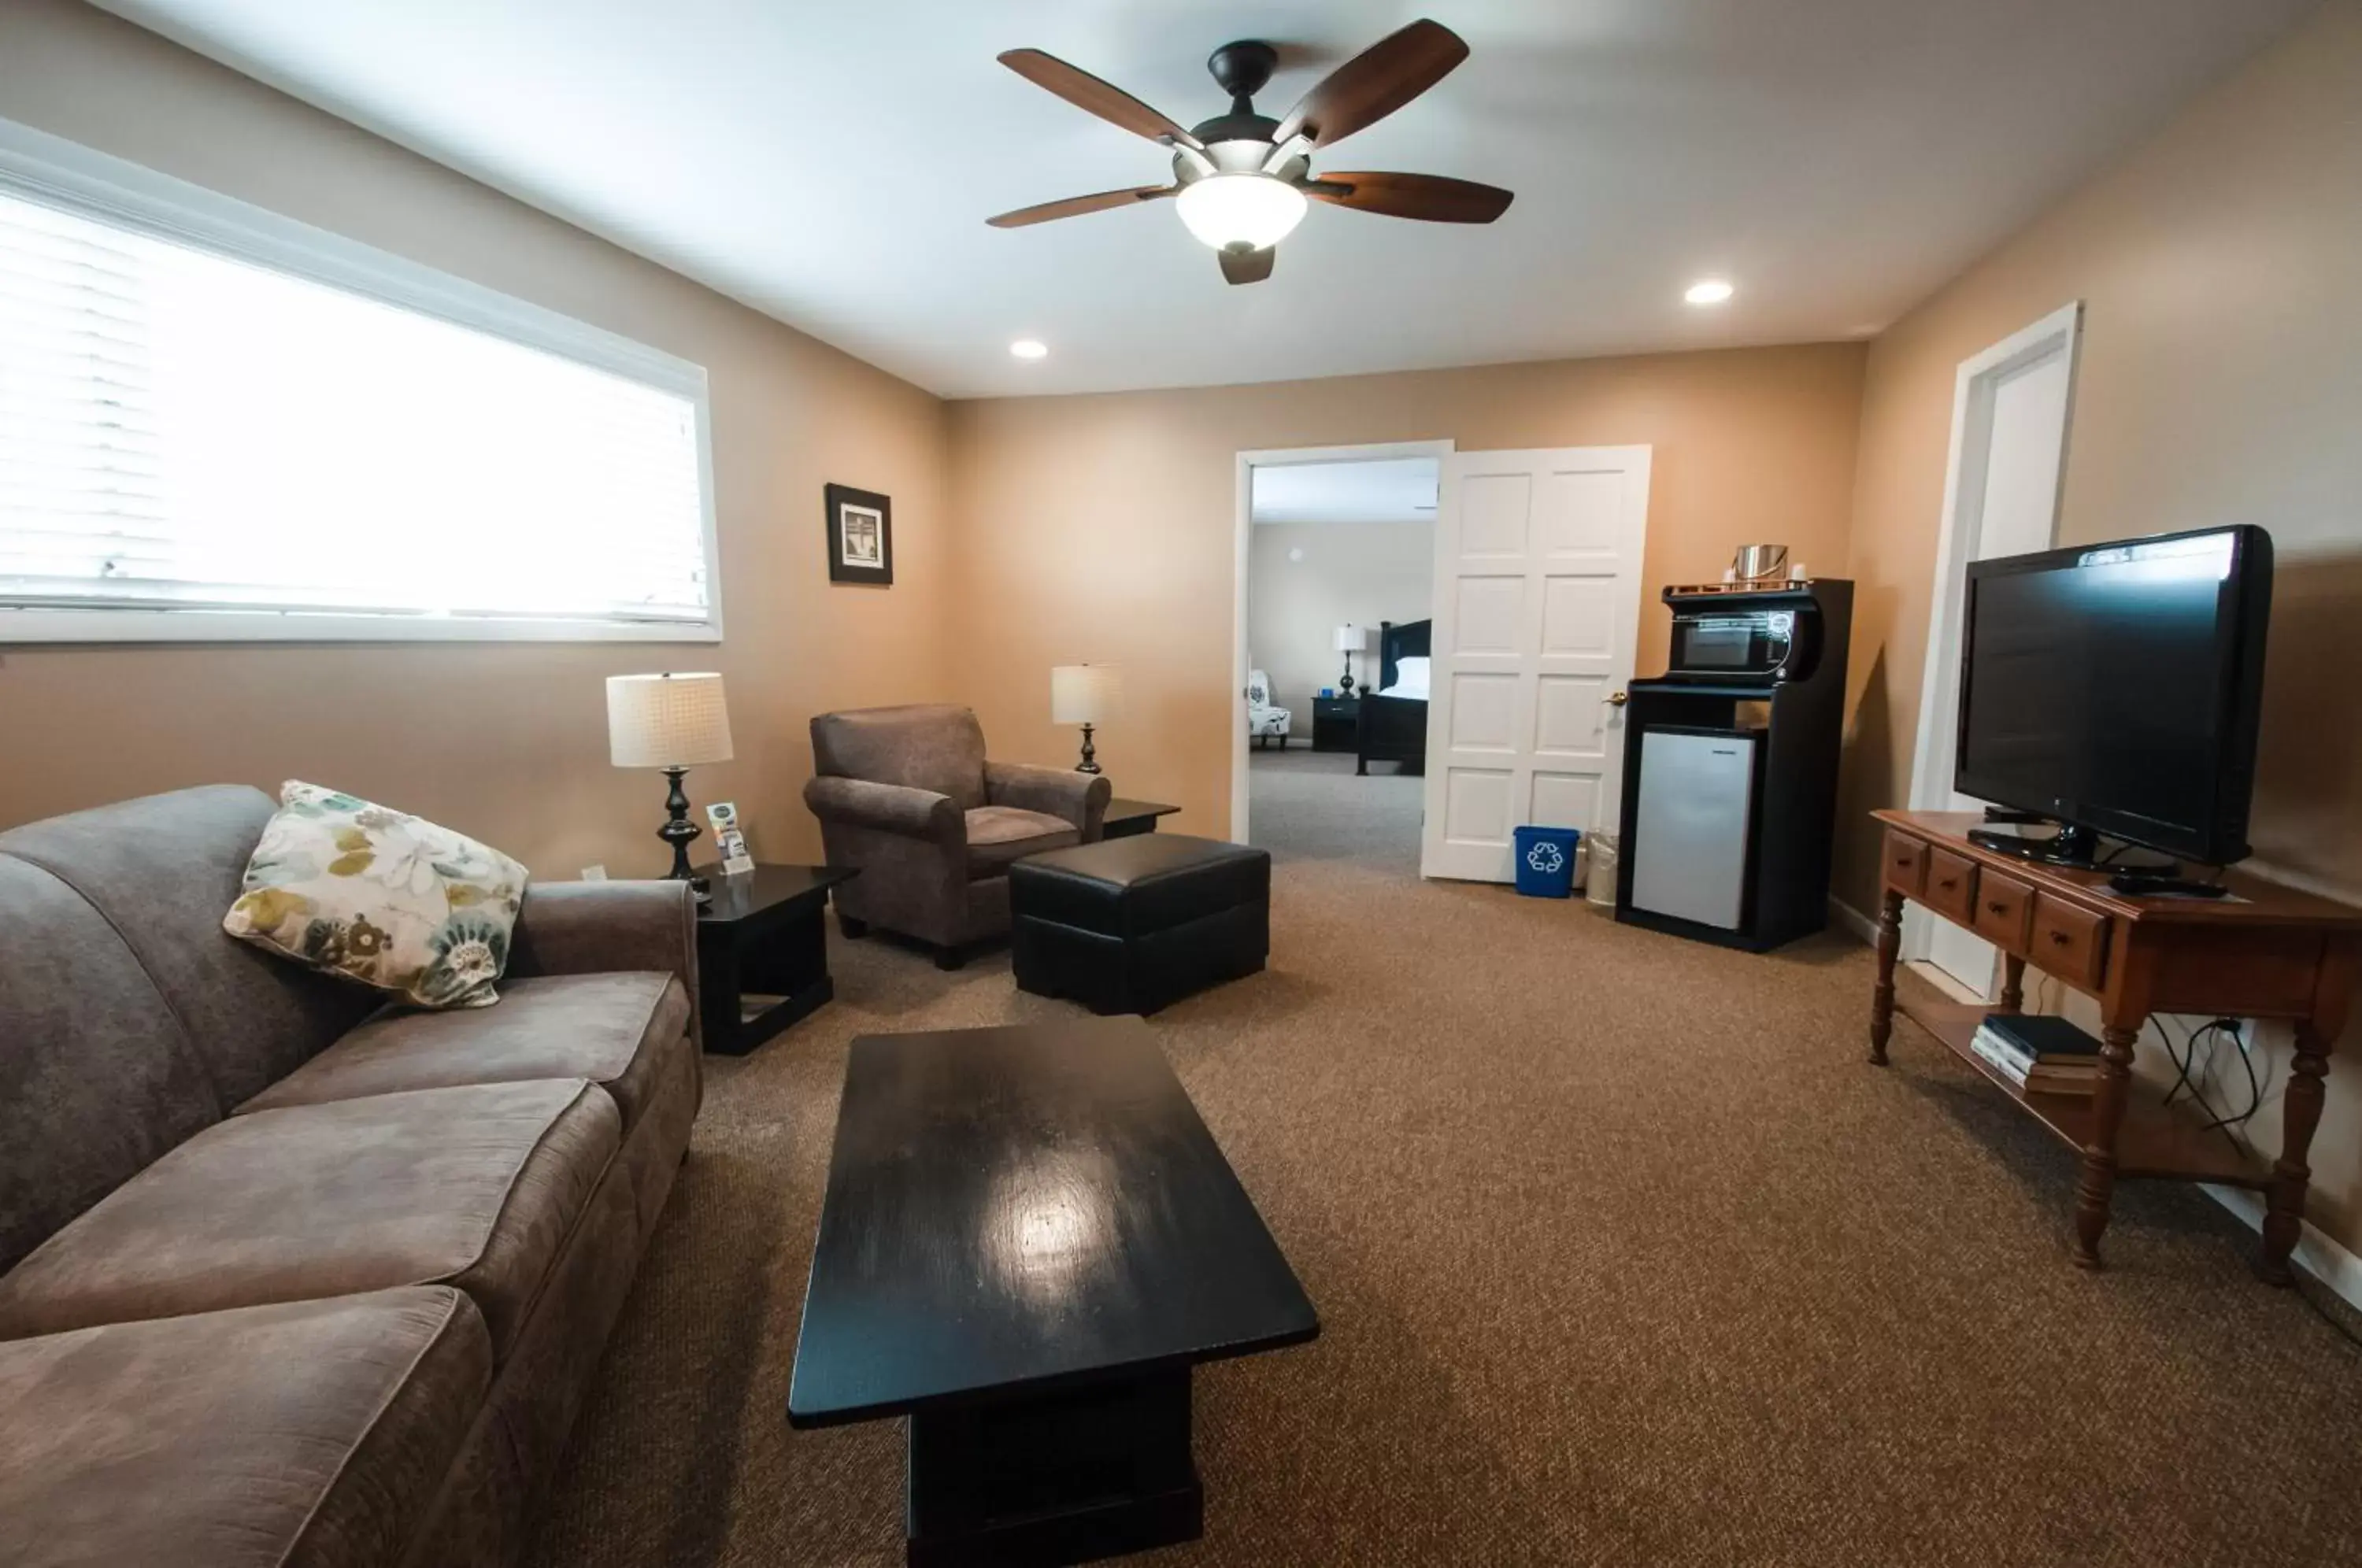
{"points": [[907, 796], [286, 1278]]}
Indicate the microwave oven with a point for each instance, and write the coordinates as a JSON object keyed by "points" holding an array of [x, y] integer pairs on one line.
{"points": [[1744, 646]]}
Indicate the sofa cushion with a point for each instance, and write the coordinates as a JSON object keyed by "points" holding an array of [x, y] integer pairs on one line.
{"points": [[310, 1435], [921, 745], [381, 897], [999, 834], [475, 1186], [96, 1078], [611, 1029], [161, 870]]}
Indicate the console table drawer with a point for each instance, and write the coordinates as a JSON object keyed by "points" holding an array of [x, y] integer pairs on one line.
{"points": [[1951, 886], [2070, 942], [1906, 864], [2005, 906]]}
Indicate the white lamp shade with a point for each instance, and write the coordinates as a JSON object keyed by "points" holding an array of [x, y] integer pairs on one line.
{"points": [[667, 721], [1352, 639], [1241, 208], [1084, 693]]}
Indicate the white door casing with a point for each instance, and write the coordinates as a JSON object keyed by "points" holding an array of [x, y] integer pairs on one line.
{"points": [[2012, 409], [1242, 534], [1537, 617]]}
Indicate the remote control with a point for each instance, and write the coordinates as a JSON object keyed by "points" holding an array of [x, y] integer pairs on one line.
{"points": [[2144, 886]]}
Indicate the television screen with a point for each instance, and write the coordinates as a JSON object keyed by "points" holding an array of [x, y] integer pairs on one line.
{"points": [[2115, 686]]}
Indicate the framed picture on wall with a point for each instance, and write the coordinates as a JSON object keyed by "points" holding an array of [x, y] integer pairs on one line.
{"points": [[860, 536]]}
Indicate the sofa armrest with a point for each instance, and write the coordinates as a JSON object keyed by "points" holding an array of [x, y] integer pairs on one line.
{"points": [[889, 808], [1080, 798], [593, 927]]}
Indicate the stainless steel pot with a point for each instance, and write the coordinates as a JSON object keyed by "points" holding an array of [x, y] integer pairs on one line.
{"points": [[1756, 563]]}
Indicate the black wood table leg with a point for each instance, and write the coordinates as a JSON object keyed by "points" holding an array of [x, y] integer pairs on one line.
{"points": [[1049, 1479]]}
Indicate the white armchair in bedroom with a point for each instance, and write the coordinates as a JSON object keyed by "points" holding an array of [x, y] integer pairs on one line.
{"points": [[1263, 721]]}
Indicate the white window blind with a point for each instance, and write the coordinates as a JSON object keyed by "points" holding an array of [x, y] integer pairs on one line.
{"points": [[185, 432]]}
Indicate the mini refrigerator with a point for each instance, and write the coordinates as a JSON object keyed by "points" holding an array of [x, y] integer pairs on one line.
{"points": [[1689, 848]]}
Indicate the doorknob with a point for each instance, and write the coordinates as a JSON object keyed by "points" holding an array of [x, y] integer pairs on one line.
{"points": [[1617, 699]]}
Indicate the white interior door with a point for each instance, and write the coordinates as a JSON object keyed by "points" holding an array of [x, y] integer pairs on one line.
{"points": [[2011, 410], [1537, 611]]}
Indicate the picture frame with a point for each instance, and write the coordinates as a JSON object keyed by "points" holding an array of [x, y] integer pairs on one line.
{"points": [[860, 536]]}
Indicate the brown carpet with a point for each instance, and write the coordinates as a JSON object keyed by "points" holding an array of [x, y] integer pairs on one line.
{"points": [[1623, 1256]]}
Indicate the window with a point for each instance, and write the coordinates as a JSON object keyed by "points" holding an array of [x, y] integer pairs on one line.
{"points": [[217, 423]]}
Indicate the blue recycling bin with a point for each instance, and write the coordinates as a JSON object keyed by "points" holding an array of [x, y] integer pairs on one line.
{"points": [[1546, 861]]}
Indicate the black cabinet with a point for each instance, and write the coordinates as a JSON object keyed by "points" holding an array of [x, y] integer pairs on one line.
{"points": [[1336, 723]]}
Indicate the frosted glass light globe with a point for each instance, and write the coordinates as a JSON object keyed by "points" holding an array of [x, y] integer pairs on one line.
{"points": [[1254, 210]]}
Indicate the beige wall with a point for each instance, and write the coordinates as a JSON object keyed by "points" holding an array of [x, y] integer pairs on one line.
{"points": [[1104, 528], [507, 741], [1356, 574], [2221, 383]]}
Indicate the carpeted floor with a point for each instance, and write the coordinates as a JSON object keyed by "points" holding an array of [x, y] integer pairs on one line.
{"points": [[1623, 1255]]}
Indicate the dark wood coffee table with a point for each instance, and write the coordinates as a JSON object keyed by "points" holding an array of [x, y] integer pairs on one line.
{"points": [[1029, 1238]]}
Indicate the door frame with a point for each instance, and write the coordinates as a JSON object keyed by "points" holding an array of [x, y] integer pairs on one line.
{"points": [[1243, 554], [1973, 388]]}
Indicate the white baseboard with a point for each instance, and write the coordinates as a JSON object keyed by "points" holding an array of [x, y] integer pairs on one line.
{"points": [[1854, 921], [2339, 1271]]}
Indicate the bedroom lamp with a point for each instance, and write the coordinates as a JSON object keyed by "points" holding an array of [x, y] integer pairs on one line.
{"points": [[1089, 695], [1351, 640], [674, 723]]}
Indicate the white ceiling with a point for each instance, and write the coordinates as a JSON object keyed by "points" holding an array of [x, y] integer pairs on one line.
{"points": [[832, 162], [1379, 490]]}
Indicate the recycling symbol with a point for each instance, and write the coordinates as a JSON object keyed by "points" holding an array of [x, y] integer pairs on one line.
{"points": [[1545, 857]]}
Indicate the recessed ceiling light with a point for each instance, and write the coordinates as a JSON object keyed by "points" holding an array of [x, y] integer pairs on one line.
{"points": [[1709, 291], [1030, 348]]}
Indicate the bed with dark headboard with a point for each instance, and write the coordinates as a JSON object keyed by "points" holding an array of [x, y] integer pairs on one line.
{"points": [[1394, 727]]}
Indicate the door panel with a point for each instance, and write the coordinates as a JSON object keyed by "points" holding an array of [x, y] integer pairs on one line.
{"points": [[1537, 580]]}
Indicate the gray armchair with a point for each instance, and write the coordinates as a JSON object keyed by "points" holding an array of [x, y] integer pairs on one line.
{"points": [[906, 796]]}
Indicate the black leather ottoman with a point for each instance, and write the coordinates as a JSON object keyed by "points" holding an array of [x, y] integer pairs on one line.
{"points": [[1130, 924]]}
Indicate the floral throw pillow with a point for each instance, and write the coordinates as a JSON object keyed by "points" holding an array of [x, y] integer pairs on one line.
{"points": [[380, 897]]}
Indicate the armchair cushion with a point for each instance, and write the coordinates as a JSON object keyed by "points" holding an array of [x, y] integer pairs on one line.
{"points": [[925, 745], [889, 807], [1079, 798], [999, 834]]}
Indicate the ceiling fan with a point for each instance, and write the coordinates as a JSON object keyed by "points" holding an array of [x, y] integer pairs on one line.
{"points": [[1240, 178]]}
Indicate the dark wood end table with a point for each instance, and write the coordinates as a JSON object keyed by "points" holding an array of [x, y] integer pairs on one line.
{"points": [[762, 937], [1029, 1238], [1125, 817], [1336, 723]]}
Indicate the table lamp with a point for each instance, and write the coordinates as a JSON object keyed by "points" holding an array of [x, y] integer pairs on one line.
{"points": [[1351, 640], [674, 723], [1084, 694]]}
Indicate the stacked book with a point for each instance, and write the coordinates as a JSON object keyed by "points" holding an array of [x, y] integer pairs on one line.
{"points": [[2040, 1055]]}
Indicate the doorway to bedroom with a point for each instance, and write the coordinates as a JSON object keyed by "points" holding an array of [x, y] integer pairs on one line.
{"points": [[1337, 570]]}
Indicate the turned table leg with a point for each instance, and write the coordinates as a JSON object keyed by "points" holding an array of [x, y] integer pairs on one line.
{"points": [[1882, 997], [2096, 1185], [2301, 1113], [2013, 983]]}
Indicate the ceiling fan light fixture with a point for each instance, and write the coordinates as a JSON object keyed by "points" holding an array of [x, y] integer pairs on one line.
{"points": [[1251, 211]]}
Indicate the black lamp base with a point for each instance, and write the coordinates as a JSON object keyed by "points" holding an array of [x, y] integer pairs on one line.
{"points": [[680, 832], [1089, 763]]}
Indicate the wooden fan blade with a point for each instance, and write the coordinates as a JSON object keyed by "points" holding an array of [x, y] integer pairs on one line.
{"points": [[1248, 266], [1374, 84], [1085, 90], [1075, 207], [1433, 197]]}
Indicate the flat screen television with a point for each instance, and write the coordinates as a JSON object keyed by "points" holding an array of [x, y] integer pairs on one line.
{"points": [[2114, 688]]}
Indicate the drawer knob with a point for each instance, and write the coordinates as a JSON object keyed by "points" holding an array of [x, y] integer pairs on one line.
{"points": [[2059, 938], [1947, 882], [1996, 906]]}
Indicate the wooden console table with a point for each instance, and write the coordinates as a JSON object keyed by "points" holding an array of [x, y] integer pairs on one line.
{"points": [[2266, 952]]}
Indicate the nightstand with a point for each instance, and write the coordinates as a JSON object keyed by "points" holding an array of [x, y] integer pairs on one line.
{"points": [[1336, 723]]}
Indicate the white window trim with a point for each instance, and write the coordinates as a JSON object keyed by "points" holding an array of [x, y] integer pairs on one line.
{"points": [[50, 169]]}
